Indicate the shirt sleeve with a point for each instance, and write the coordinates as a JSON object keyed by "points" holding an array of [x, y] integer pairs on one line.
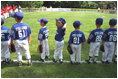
{"points": [[40, 35], [70, 39]]}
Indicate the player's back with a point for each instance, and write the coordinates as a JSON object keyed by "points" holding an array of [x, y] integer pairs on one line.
{"points": [[44, 32], [96, 35], [5, 33], [110, 35], [20, 31], [77, 37]]}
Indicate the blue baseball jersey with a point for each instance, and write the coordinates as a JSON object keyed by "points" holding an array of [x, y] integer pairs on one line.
{"points": [[96, 35], [5, 33], [76, 37], [43, 33], [20, 31], [60, 34], [110, 35]]}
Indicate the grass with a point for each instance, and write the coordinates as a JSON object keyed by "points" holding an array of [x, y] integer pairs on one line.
{"points": [[60, 70]]}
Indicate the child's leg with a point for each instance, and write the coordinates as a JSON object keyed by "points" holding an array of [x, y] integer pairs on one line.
{"points": [[18, 48], [72, 56], [25, 49], [96, 51], [111, 51], [56, 52], [61, 50], [78, 53], [91, 51], [2, 51], [7, 52], [43, 54], [105, 53], [47, 48]]}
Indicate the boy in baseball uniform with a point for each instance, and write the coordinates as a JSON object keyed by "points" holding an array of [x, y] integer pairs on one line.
{"points": [[5, 43], [94, 40], [43, 39], [20, 33], [76, 41], [110, 41], [59, 37]]}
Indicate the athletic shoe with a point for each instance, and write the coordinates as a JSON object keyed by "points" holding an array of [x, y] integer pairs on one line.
{"points": [[42, 60], [47, 57], [61, 61], [19, 63], [88, 61], [54, 60], [29, 62]]}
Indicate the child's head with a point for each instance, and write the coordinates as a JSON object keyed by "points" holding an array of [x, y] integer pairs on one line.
{"points": [[112, 22], [60, 22], [99, 21], [43, 21], [18, 16], [2, 21], [76, 24]]}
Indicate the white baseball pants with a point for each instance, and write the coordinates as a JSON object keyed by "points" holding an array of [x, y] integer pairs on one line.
{"points": [[109, 51], [5, 53], [76, 56], [22, 46], [58, 50], [45, 51], [94, 49]]}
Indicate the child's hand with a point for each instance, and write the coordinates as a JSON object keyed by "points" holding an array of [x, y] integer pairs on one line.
{"points": [[64, 26]]}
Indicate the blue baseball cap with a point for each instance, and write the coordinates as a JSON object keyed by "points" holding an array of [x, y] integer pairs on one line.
{"points": [[18, 15], [62, 20], [76, 23], [43, 20], [99, 21], [2, 21], [113, 22]]}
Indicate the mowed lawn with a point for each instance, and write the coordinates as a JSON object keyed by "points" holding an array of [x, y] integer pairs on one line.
{"points": [[64, 70]]}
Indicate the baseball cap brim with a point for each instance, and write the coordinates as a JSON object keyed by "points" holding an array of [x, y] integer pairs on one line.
{"points": [[81, 24], [38, 20]]}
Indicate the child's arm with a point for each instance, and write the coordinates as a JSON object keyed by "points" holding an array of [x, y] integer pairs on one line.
{"points": [[40, 42], [64, 26], [82, 44], [29, 39]]}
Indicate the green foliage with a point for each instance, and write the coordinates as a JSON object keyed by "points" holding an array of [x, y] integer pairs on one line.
{"points": [[65, 4]]}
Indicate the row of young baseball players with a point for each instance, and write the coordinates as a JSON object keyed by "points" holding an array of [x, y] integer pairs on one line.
{"points": [[20, 37]]}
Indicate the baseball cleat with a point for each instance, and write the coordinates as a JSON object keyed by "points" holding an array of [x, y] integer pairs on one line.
{"points": [[61, 61], [42, 60], [19, 63], [103, 61], [47, 57], [29, 62], [88, 61], [54, 60]]}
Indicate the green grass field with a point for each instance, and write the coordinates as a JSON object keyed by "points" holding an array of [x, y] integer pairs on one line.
{"points": [[56, 70]]}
